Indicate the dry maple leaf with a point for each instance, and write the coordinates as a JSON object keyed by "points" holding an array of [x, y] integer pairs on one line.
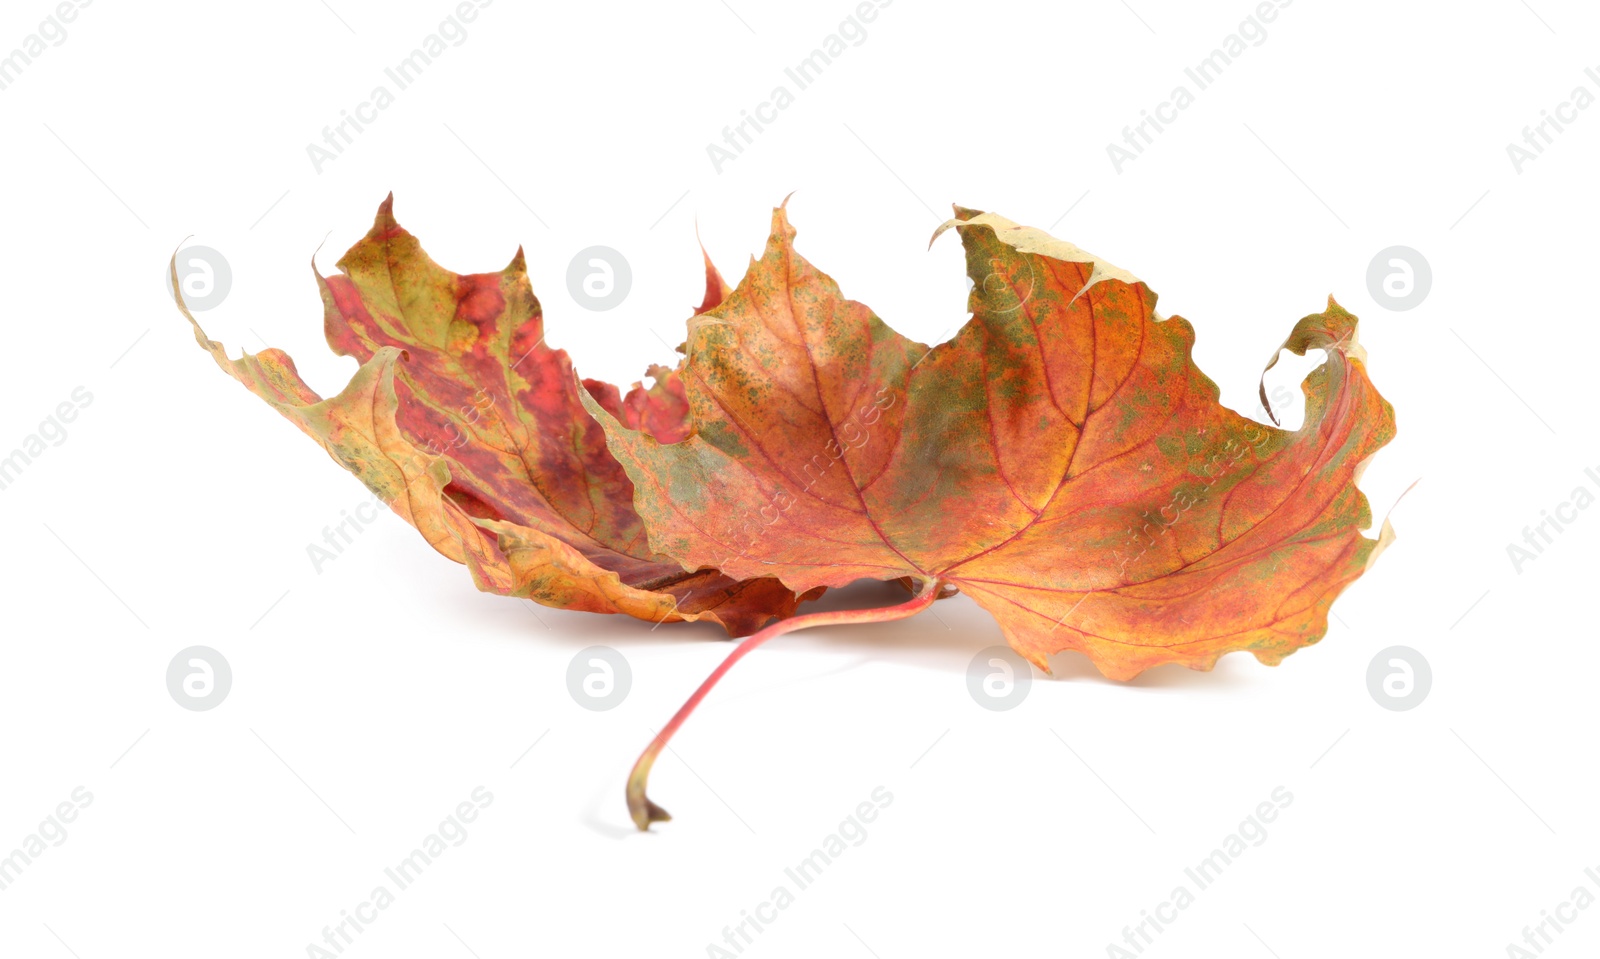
{"points": [[1061, 460], [473, 430]]}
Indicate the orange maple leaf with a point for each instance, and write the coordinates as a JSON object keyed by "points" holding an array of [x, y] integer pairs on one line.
{"points": [[1061, 460]]}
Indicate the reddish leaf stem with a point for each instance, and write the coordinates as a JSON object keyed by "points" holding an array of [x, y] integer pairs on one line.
{"points": [[645, 812]]}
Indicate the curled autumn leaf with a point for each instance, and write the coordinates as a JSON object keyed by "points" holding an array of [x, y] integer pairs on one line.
{"points": [[473, 431], [1061, 460]]}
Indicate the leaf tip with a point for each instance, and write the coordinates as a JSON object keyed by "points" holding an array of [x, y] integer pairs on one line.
{"points": [[1386, 537], [717, 288], [384, 224]]}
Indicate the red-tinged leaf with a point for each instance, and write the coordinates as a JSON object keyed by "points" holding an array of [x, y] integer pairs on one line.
{"points": [[662, 409], [480, 425], [717, 289], [1061, 459]]}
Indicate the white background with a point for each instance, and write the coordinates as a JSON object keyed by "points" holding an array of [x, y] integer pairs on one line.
{"points": [[372, 697]]}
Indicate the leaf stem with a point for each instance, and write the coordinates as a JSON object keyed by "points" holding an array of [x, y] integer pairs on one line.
{"points": [[645, 812]]}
